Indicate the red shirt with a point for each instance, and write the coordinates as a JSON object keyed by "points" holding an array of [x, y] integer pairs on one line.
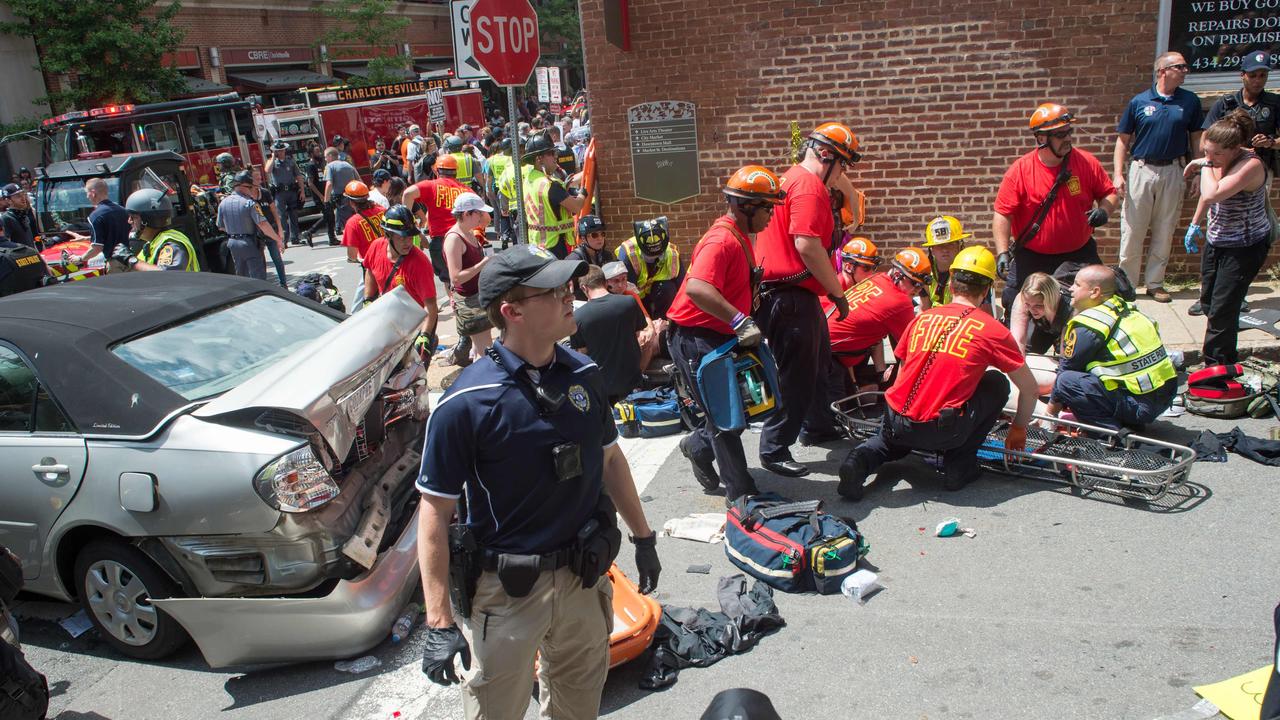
{"points": [[806, 211], [720, 260], [362, 229], [414, 273], [978, 342], [877, 308], [438, 196], [1026, 184]]}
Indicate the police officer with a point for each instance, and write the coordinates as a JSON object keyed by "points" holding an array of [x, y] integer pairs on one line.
{"points": [[285, 182], [494, 168], [16, 219], [241, 219], [795, 251], [713, 306], [21, 268], [525, 438], [163, 248], [1114, 368], [653, 264], [225, 163], [549, 206], [468, 170], [945, 399], [591, 242]]}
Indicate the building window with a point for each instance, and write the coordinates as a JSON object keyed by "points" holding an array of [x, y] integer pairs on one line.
{"points": [[1213, 34], [208, 129]]}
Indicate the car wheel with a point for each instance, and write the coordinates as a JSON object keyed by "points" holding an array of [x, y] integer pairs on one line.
{"points": [[116, 583]]}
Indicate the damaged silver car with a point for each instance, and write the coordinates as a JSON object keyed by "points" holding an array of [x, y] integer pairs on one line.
{"points": [[204, 456]]}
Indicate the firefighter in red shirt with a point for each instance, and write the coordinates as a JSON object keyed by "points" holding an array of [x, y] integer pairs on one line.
{"points": [[880, 306], [712, 306], [393, 261], [945, 398], [437, 197], [795, 251], [859, 259], [365, 225]]}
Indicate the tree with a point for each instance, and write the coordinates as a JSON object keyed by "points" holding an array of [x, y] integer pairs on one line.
{"points": [[558, 26], [372, 23], [112, 50]]}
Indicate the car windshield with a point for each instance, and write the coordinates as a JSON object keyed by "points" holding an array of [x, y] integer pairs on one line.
{"points": [[63, 204], [218, 351]]}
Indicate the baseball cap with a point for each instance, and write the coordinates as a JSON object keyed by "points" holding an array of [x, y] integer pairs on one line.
{"points": [[527, 265], [613, 269], [10, 190], [1257, 60], [381, 175], [468, 201]]}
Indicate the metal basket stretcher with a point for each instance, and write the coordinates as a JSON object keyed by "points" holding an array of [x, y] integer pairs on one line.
{"points": [[1083, 456]]}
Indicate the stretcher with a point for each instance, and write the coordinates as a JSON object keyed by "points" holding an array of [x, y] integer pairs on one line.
{"points": [[1087, 457], [635, 619]]}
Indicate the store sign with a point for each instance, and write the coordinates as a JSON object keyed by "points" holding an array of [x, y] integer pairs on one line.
{"points": [[664, 150], [1213, 34], [266, 56], [346, 94]]}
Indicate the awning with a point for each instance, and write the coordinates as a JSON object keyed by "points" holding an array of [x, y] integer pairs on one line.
{"points": [[362, 71], [432, 65], [273, 80], [199, 86]]}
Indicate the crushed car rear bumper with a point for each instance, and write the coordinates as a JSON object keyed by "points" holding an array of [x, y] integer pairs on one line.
{"points": [[356, 615]]}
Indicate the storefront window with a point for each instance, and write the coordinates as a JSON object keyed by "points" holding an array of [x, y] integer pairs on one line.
{"points": [[1213, 34]]}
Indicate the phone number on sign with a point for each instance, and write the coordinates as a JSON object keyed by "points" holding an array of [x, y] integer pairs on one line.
{"points": [[1226, 63]]}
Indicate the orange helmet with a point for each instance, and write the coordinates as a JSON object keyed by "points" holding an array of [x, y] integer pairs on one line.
{"points": [[754, 182], [356, 190], [1050, 116], [861, 251], [839, 138], [914, 263], [447, 162]]}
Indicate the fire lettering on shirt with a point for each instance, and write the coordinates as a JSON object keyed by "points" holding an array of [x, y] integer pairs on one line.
{"points": [[929, 328], [861, 293], [446, 195]]}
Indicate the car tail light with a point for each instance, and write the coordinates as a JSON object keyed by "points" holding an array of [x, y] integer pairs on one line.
{"points": [[296, 482]]}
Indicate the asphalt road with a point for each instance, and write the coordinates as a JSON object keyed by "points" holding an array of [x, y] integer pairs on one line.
{"points": [[1063, 606]]}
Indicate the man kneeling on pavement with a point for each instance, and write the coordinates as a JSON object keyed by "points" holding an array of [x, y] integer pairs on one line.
{"points": [[945, 398], [1114, 368]]}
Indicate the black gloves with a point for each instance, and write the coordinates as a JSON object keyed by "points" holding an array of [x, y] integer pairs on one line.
{"points": [[437, 659], [1003, 260], [647, 562], [841, 303], [1097, 217]]}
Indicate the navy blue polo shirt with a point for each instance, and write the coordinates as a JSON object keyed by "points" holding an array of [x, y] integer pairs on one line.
{"points": [[1160, 126], [488, 438], [109, 226]]}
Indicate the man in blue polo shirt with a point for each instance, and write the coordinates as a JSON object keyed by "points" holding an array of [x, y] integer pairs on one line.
{"points": [[108, 223], [525, 440], [1161, 130]]}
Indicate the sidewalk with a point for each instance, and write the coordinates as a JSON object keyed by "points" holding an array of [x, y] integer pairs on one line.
{"points": [[1186, 333]]}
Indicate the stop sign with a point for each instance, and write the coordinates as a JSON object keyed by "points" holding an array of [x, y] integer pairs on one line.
{"points": [[505, 39]]}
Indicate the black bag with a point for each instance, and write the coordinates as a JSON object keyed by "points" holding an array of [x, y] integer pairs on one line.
{"points": [[24, 693], [10, 576]]}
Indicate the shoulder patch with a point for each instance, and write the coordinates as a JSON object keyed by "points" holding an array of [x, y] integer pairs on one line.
{"points": [[1069, 343], [165, 257], [579, 397]]}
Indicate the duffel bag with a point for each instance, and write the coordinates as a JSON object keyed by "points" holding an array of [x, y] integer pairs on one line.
{"points": [[657, 412], [624, 416], [792, 546]]}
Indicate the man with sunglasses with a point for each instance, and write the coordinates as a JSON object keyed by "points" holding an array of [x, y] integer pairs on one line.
{"points": [[526, 440], [1049, 202], [713, 306], [1160, 129]]}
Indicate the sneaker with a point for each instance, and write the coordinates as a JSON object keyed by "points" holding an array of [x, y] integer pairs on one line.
{"points": [[1159, 294], [461, 353], [853, 473], [1196, 309], [704, 471], [1244, 306]]}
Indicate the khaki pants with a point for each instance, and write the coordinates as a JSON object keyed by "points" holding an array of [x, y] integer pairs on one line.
{"points": [[564, 626], [1152, 201]]}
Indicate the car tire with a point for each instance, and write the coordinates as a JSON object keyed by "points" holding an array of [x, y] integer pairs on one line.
{"points": [[115, 581]]}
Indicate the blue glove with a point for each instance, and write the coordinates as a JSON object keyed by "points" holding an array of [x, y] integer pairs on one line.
{"points": [[1189, 240]]}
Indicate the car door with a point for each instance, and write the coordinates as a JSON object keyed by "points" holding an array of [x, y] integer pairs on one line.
{"points": [[42, 460]]}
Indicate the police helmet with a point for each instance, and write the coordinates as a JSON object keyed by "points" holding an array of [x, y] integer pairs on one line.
{"points": [[453, 143], [224, 160], [398, 220], [589, 224], [244, 177], [537, 145], [153, 206], [652, 236]]}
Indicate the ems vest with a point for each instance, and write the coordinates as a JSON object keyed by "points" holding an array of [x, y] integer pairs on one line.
{"points": [[498, 165], [1136, 358], [151, 251], [28, 269], [466, 167], [546, 227], [507, 182], [668, 267]]}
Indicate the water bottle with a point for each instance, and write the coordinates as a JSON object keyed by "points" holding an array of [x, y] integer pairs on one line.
{"points": [[404, 624]]}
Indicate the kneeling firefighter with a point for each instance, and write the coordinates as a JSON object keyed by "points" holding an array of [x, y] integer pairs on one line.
{"points": [[163, 248]]}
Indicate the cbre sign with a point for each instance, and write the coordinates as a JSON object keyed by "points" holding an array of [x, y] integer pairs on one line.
{"points": [[505, 40]]}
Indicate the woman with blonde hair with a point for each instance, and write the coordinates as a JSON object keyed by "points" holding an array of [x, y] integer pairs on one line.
{"points": [[1039, 314]]}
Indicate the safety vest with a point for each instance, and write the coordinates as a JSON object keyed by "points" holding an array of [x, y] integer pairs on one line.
{"points": [[1137, 360], [151, 251], [507, 182], [668, 267], [939, 291], [545, 227], [498, 165], [466, 167]]}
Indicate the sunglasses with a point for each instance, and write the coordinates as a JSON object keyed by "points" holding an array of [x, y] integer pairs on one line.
{"points": [[1180, 66], [1060, 134], [560, 293], [596, 233]]}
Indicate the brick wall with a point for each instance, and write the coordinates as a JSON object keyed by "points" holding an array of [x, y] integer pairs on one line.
{"points": [[938, 93]]}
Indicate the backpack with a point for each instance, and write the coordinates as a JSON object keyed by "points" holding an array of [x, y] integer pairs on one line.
{"points": [[792, 546], [649, 413], [24, 693]]}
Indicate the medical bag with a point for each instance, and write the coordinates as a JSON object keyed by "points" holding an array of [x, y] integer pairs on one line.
{"points": [[649, 413], [738, 385], [792, 546], [1232, 391]]}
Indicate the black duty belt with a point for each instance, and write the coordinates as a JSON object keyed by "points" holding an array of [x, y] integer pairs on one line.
{"points": [[546, 561], [1158, 163]]}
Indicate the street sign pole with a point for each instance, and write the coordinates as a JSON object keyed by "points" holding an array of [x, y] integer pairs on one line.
{"points": [[518, 216]]}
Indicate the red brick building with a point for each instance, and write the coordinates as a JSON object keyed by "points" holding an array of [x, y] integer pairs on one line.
{"points": [[938, 93]]}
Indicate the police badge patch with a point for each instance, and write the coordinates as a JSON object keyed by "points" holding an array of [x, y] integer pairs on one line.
{"points": [[579, 397], [165, 259]]}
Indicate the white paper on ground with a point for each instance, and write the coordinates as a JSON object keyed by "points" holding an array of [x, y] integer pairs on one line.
{"points": [[77, 624], [703, 527]]}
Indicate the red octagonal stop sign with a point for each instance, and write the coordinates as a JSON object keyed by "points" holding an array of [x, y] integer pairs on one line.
{"points": [[505, 39]]}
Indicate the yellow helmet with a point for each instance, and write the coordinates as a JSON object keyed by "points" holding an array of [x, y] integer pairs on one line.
{"points": [[942, 230], [977, 260]]}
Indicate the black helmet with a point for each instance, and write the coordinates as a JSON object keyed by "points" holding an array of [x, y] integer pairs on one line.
{"points": [[225, 160], [453, 143], [244, 177], [589, 224], [537, 145], [398, 220], [652, 236], [153, 206]]}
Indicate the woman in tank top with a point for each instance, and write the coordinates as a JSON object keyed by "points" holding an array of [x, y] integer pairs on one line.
{"points": [[464, 258]]}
